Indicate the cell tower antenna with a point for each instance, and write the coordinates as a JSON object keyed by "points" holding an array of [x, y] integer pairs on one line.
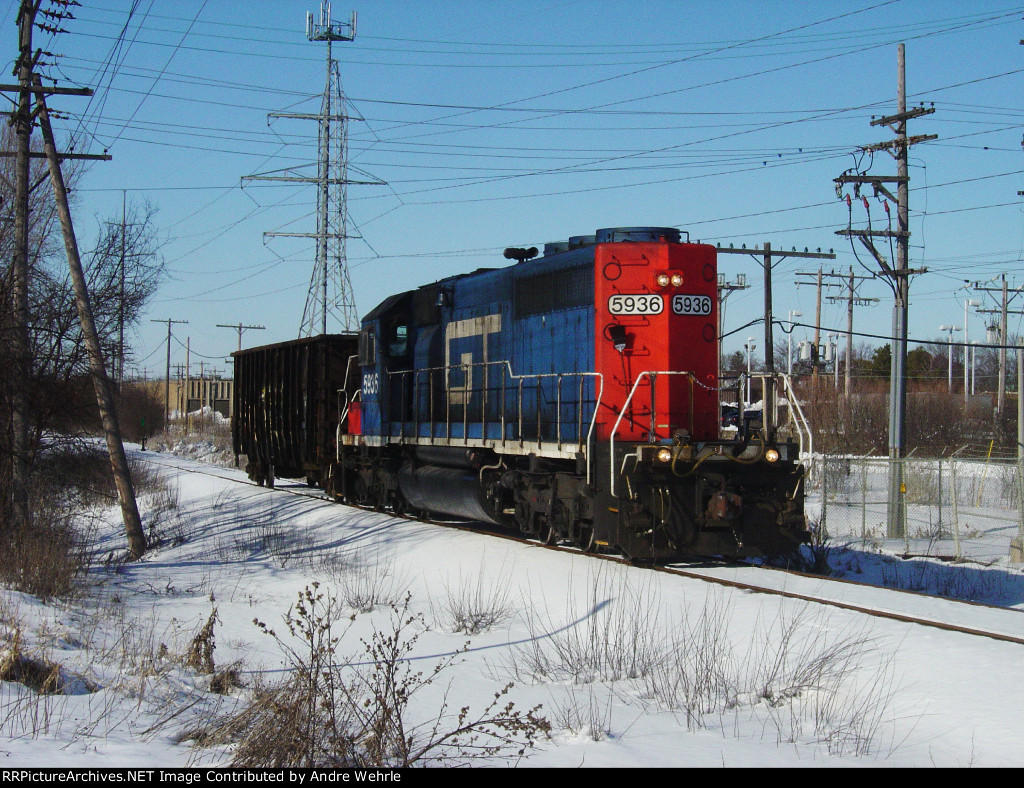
{"points": [[330, 272]]}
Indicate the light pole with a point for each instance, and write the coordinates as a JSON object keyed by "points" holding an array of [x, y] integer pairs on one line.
{"points": [[789, 352], [974, 362], [967, 344], [949, 351], [749, 347]]}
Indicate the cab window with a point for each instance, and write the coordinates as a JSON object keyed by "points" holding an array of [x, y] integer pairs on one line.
{"points": [[398, 338]]}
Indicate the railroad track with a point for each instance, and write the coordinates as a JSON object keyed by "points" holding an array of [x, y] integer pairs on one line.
{"points": [[761, 580]]}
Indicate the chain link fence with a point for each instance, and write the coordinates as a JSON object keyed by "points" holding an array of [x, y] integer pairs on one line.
{"points": [[952, 507]]}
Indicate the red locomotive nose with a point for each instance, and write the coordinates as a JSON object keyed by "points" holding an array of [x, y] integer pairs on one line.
{"points": [[656, 311]]}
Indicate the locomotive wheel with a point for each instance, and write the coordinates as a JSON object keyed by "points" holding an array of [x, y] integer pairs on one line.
{"points": [[561, 527], [548, 532], [585, 539]]}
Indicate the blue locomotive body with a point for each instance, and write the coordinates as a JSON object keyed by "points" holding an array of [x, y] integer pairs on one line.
{"points": [[492, 355]]}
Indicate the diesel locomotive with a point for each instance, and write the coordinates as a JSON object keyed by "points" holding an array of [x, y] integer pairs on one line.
{"points": [[572, 395]]}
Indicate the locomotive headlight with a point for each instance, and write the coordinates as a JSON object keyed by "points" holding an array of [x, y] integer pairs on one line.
{"points": [[664, 280], [677, 280], [772, 455], [664, 455]]}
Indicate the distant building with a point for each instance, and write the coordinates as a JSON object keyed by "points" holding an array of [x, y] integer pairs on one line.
{"points": [[188, 396]]}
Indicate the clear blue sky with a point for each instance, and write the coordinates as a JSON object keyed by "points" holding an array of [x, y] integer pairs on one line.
{"points": [[499, 124]]}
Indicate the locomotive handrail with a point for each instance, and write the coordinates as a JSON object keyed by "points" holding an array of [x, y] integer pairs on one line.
{"points": [[792, 403], [508, 379], [626, 406], [343, 409], [796, 413], [343, 418], [794, 406]]}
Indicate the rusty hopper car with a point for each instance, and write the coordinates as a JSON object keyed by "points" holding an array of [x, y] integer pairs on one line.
{"points": [[287, 399]]}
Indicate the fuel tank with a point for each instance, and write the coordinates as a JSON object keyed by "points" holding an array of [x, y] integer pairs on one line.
{"points": [[453, 491]]}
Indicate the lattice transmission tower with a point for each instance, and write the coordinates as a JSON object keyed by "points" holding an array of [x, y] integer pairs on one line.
{"points": [[330, 287]]}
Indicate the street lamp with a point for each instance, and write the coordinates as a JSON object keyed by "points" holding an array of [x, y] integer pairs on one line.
{"points": [[967, 342], [789, 353], [949, 352], [749, 347], [974, 364]]}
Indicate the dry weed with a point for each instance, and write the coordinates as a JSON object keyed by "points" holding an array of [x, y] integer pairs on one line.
{"points": [[332, 711]]}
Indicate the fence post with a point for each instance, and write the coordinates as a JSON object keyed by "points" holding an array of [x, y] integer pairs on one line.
{"points": [[1020, 508], [956, 510], [903, 502], [822, 530], [863, 503]]}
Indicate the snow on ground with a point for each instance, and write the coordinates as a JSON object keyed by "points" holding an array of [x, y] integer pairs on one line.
{"points": [[633, 668]]}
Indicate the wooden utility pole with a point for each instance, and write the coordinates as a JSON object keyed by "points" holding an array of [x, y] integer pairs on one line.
{"points": [[851, 298], [817, 278], [22, 350], [120, 304], [765, 256], [816, 353], [240, 328], [21, 371], [898, 272], [101, 383], [167, 372], [726, 289], [1008, 294]]}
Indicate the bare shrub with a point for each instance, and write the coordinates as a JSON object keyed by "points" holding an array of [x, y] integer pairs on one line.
{"points": [[140, 412], [813, 558], [620, 635], [74, 473], [946, 581], [697, 676], [146, 478], [44, 558], [331, 713], [859, 424], [41, 676], [472, 607], [165, 525], [799, 673], [367, 584], [199, 656], [584, 714]]}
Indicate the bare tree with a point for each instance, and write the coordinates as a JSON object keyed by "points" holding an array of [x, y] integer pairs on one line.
{"points": [[123, 271]]}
